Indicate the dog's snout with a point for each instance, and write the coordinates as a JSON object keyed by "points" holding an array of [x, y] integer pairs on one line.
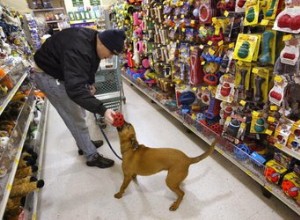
{"points": [[120, 128]]}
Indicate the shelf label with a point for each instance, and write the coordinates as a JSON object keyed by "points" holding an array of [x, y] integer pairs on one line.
{"points": [[248, 172], [269, 188], [77, 3], [8, 187], [95, 2], [221, 151]]}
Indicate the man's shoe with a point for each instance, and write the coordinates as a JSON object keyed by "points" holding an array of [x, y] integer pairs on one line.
{"points": [[97, 144], [100, 161]]}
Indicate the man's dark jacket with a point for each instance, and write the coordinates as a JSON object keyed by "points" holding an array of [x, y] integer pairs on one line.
{"points": [[70, 56]]}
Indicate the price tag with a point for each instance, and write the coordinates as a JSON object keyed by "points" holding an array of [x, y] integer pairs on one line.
{"points": [[226, 13], [182, 16], [191, 48], [183, 29], [287, 37], [175, 17], [254, 70], [278, 79], [201, 47], [210, 42], [243, 102], [269, 132], [194, 89], [211, 51], [231, 45], [192, 21], [165, 16], [202, 63], [220, 43], [255, 113], [271, 119], [273, 108], [264, 22], [240, 63]]}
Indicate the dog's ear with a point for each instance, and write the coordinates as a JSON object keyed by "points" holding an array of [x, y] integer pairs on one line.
{"points": [[134, 143]]}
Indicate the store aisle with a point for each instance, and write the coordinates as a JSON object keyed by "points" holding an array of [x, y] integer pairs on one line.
{"points": [[215, 189]]}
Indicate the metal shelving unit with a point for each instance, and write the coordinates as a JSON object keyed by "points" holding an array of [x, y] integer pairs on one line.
{"points": [[39, 145], [8, 181], [5, 100], [207, 135], [48, 9]]}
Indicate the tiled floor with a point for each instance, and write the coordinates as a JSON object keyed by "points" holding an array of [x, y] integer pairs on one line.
{"points": [[215, 189]]}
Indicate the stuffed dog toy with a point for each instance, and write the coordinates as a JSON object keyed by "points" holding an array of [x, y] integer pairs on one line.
{"points": [[141, 160]]}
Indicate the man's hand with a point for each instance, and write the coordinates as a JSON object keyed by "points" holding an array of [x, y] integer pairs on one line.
{"points": [[108, 116], [92, 89]]}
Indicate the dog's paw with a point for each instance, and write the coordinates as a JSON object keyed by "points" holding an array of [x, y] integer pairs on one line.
{"points": [[118, 195], [173, 207]]}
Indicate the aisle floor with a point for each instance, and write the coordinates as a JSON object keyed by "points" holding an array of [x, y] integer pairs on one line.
{"points": [[215, 189]]}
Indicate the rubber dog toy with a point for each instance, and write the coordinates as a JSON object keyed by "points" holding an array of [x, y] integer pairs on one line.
{"points": [[244, 49], [258, 83], [289, 188], [250, 15], [266, 52], [118, 119], [270, 11]]}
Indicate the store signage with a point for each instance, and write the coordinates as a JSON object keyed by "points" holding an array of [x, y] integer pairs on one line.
{"points": [[77, 3], [95, 2]]}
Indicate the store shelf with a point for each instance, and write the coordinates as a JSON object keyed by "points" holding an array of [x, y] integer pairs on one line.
{"points": [[10, 178], [208, 136], [48, 9], [4, 101], [41, 142], [54, 21], [290, 152], [83, 21]]}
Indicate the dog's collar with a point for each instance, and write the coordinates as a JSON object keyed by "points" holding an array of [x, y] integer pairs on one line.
{"points": [[134, 146]]}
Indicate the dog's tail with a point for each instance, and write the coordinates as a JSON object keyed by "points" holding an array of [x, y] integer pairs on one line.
{"points": [[205, 154]]}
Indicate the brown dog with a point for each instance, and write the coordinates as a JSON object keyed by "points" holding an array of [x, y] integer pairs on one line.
{"points": [[141, 160]]}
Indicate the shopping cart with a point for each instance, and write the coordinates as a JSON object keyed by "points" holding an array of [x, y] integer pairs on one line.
{"points": [[109, 87]]}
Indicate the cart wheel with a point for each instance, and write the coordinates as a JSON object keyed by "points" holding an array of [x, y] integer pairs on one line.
{"points": [[124, 100], [265, 192]]}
